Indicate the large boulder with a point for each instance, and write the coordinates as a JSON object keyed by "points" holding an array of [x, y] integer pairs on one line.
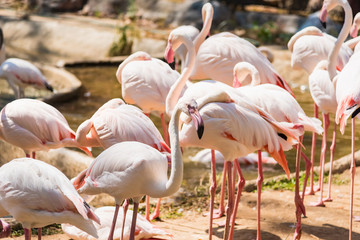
{"points": [[105, 8]]}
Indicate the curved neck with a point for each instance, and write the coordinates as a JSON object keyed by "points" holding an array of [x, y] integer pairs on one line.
{"points": [[241, 71], [340, 40], [176, 174], [176, 89], [134, 57], [207, 13]]}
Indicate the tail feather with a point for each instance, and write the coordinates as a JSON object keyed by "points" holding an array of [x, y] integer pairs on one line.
{"points": [[341, 114], [311, 124]]}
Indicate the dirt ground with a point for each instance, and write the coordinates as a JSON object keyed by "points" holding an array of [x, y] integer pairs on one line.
{"points": [[277, 217]]}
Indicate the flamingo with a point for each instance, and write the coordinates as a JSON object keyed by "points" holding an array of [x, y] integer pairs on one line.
{"points": [[146, 82], [37, 194], [115, 122], [347, 86], [133, 169], [353, 43], [36, 126], [180, 53], [144, 229], [217, 55], [199, 90], [5, 229], [283, 108], [20, 73]]}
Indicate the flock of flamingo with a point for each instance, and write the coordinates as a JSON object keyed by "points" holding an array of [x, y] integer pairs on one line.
{"points": [[246, 107]]}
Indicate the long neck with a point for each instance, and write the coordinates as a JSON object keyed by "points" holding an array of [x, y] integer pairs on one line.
{"points": [[340, 40], [176, 174], [208, 12], [243, 69], [176, 89]]}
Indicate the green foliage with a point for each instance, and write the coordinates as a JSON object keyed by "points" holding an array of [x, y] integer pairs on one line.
{"points": [[17, 230], [287, 184], [267, 33], [123, 45]]}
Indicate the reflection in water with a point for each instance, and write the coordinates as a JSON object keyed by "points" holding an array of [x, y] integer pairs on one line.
{"points": [[100, 85]]}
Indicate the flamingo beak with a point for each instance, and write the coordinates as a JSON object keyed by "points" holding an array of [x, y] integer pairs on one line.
{"points": [[323, 15], [169, 53], [197, 119], [354, 31]]}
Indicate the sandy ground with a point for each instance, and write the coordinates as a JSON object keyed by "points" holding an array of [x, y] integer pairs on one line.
{"points": [[277, 217]]}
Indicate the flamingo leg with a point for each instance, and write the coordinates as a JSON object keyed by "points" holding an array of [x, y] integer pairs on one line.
{"points": [[156, 213], [33, 155], [300, 208], [353, 171], [240, 186], [125, 208], [39, 231], [212, 191], [311, 190], [27, 233], [332, 150], [259, 182], [220, 212], [133, 223], [308, 166], [326, 121], [147, 210], [111, 234], [230, 204]]}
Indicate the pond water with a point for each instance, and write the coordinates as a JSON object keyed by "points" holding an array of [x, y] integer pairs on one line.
{"points": [[100, 85]]}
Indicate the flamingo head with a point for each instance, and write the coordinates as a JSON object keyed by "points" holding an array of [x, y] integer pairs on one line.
{"points": [[327, 6], [356, 25], [190, 108]]}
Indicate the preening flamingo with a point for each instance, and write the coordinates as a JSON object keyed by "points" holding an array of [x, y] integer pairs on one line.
{"points": [[36, 126], [199, 90], [347, 87], [146, 81], [133, 169], [283, 108], [37, 194], [217, 55], [144, 229], [20, 73], [116, 122]]}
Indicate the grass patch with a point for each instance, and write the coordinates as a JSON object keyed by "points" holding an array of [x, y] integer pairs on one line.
{"points": [[17, 230]]}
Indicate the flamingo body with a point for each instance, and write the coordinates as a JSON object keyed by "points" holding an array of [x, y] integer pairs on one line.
{"points": [[38, 194]]}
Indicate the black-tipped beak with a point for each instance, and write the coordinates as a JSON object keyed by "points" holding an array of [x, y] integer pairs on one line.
{"points": [[323, 24], [355, 112], [197, 119]]}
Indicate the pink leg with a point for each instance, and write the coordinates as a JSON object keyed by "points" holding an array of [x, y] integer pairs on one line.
{"points": [[34, 155], [156, 213], [165, 129], [313, 146], [332, 150], [27, 233], [111, 234], [125, 208], [326, 121], [240, 185], [353, 171], [133, 223], [147, 210], [39, 233], [300, 208], [230, 204], [212, 191], [259, 185], [5, 229], [308, 166]]}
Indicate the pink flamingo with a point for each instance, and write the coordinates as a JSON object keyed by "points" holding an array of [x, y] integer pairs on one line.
{"points": [[133, 169], [146, 81], [217, 55], [144, 229], [36, 126], [199, 90], [5, 229], [20, 73], [116, 122], [353, 43], [180, 53], [347, 87], [37, 194]]}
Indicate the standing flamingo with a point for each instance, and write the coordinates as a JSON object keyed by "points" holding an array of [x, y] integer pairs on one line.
{"points": [[37, 194], [146, 81], [197, 91], [20, 73], [36, 126], [180, 53], [133, 169], [217, 55], [116, 122], [347, 86], [144, 229]]}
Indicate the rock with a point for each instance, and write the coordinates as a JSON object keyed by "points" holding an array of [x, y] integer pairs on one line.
{"points": [[59, 5], [105, 8]]}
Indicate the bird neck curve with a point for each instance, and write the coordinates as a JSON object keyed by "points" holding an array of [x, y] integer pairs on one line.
{"points": [[341, 39], [207, 14], [176, 89], [176, 175]]}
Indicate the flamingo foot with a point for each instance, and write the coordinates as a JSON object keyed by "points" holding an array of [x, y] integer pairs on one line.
{"points": [[218, 213], [309, 191], [155, 215], [328, 199], [317, 204]]}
